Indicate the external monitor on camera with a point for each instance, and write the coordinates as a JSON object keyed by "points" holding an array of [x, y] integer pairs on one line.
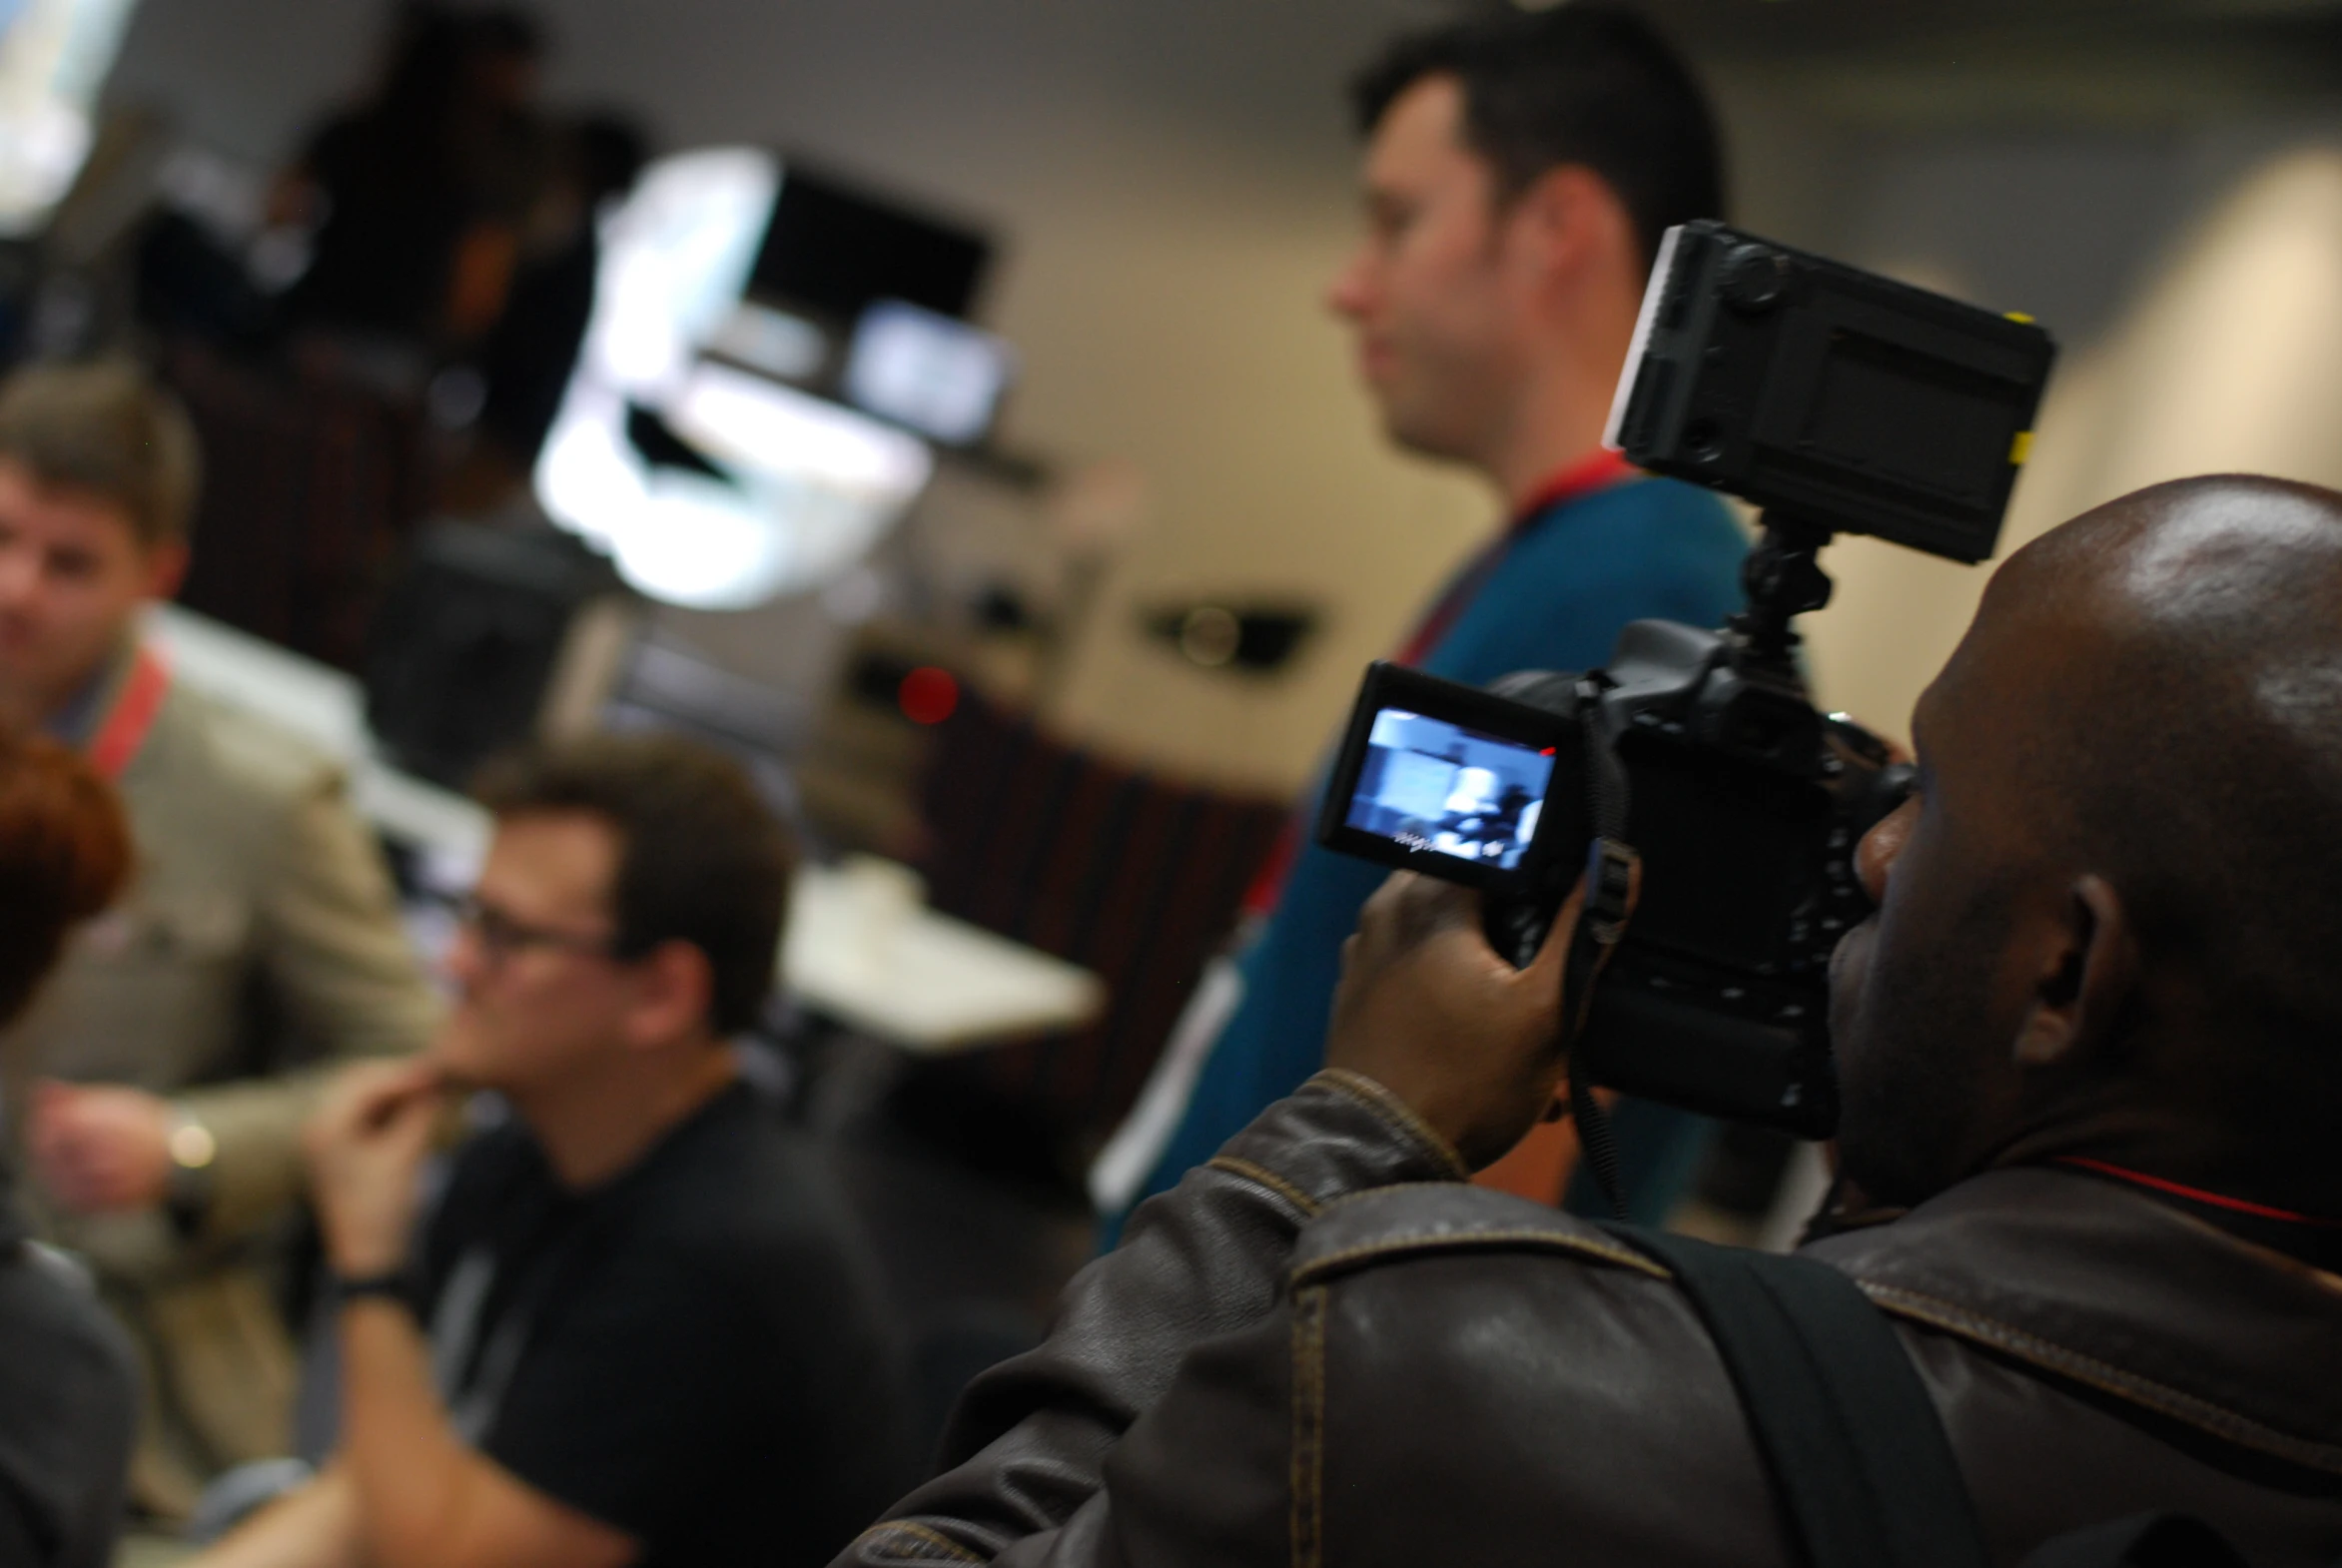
{"points": [[1848, 402]]}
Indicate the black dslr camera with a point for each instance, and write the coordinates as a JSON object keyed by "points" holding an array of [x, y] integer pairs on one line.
{"points": [[1838, 402]]}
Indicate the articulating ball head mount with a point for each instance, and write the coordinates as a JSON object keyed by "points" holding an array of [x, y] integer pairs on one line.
{"points": [[1783, 579]]}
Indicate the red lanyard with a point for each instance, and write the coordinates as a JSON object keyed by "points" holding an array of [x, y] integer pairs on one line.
{"points": [[2306, 1239], [2196, 1195], [1597, 470], [131, 715]]}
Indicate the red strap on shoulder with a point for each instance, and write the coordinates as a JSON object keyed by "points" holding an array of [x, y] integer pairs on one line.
{"points": [[2196, 1195], [119, 738]]}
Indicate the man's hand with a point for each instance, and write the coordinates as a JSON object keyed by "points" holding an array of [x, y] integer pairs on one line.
{"points": [[98, 1148], [365, 1148], [1429, 1011]]}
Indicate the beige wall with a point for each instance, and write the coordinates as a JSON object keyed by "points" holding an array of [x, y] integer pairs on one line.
{"points": [[1266, 476], [1172, 221], [2228, 360]]}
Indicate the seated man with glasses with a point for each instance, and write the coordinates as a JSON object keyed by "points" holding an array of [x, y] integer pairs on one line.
{"points": [[635, 1329]]}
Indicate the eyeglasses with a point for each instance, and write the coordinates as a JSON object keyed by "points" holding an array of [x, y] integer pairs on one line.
{"points": [[500, 936]]}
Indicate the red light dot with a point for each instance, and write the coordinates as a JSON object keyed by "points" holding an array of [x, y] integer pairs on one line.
{"points": [[928, 695]]}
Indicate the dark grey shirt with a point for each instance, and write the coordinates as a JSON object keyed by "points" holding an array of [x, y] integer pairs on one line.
{"points": [[67, 1409], [691, 1352]]}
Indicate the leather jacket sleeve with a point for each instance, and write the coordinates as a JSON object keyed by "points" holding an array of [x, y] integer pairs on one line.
{"points": [[1037, 1471]]}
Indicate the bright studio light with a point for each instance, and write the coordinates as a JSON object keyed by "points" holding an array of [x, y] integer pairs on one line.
{"points": [[744, 420], [54, 55], [790, 491]]}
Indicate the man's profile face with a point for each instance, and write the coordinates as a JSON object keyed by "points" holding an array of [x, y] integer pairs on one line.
{"points": [[1924, 1008], [72, 575], [1429, 288], [537, 994]]}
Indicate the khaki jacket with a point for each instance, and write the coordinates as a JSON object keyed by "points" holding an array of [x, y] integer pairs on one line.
{"points": [[1324, 1349], [258, 946]]}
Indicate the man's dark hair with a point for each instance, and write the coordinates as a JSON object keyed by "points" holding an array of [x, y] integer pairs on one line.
{"points": [[109, 428], [702, 859], [1589, 85], [610, 150]]}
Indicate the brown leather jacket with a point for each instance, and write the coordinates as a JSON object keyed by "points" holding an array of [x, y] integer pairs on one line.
{"points": [[1324, 1348]]}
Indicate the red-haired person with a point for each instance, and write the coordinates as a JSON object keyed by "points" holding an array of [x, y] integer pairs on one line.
{"points": [[66, 1394]]}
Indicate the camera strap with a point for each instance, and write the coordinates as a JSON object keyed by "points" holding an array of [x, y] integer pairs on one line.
{"points": [[1860, 1468], [1611, 866]]}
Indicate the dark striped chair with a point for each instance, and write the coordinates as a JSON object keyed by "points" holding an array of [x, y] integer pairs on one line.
{"points": [[1131, 875], [310, 485]]}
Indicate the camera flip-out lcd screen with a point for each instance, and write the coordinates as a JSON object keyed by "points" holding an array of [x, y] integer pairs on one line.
{"points": [[1431, 785], [1446, 779]]}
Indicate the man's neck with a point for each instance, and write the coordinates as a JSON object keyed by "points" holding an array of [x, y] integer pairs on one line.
{"points": [[1556, 426], [1580, 345], [595, 1125], [68, 706]]}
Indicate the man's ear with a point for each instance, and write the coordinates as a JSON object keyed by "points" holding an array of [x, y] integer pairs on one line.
{"points": [[166, 569], [1565, 214], [2088, 972], [674, 988]]}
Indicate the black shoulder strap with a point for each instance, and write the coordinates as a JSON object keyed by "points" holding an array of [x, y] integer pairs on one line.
{"points": [[1860, 1468], [2145, 1541], [1611, 866]]}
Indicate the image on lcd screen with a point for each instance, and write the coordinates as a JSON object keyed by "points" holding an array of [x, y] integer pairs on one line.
{"points": [[1426, 784]]}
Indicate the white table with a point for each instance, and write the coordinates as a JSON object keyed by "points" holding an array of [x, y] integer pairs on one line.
{"points": [[921, 981], [860, 950], [327, 708]]}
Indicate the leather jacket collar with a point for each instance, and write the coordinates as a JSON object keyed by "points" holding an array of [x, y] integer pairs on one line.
{"points": [[2180, 1318]]}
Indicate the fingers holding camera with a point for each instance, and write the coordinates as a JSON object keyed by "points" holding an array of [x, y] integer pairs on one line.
{"points": [[1427, 1009]]}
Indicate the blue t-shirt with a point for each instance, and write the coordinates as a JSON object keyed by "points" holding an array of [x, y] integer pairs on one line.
{"points": [[1569, 580]]}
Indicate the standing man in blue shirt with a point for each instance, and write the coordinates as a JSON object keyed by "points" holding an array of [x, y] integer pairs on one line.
{"points": [[1520, 170]]}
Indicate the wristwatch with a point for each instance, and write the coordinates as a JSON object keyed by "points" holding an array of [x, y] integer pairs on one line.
{"points": [[393, 1285], [193, 1152]]}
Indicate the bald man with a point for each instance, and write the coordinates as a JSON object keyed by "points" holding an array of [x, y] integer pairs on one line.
{"points": [[2091, 1051]]}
